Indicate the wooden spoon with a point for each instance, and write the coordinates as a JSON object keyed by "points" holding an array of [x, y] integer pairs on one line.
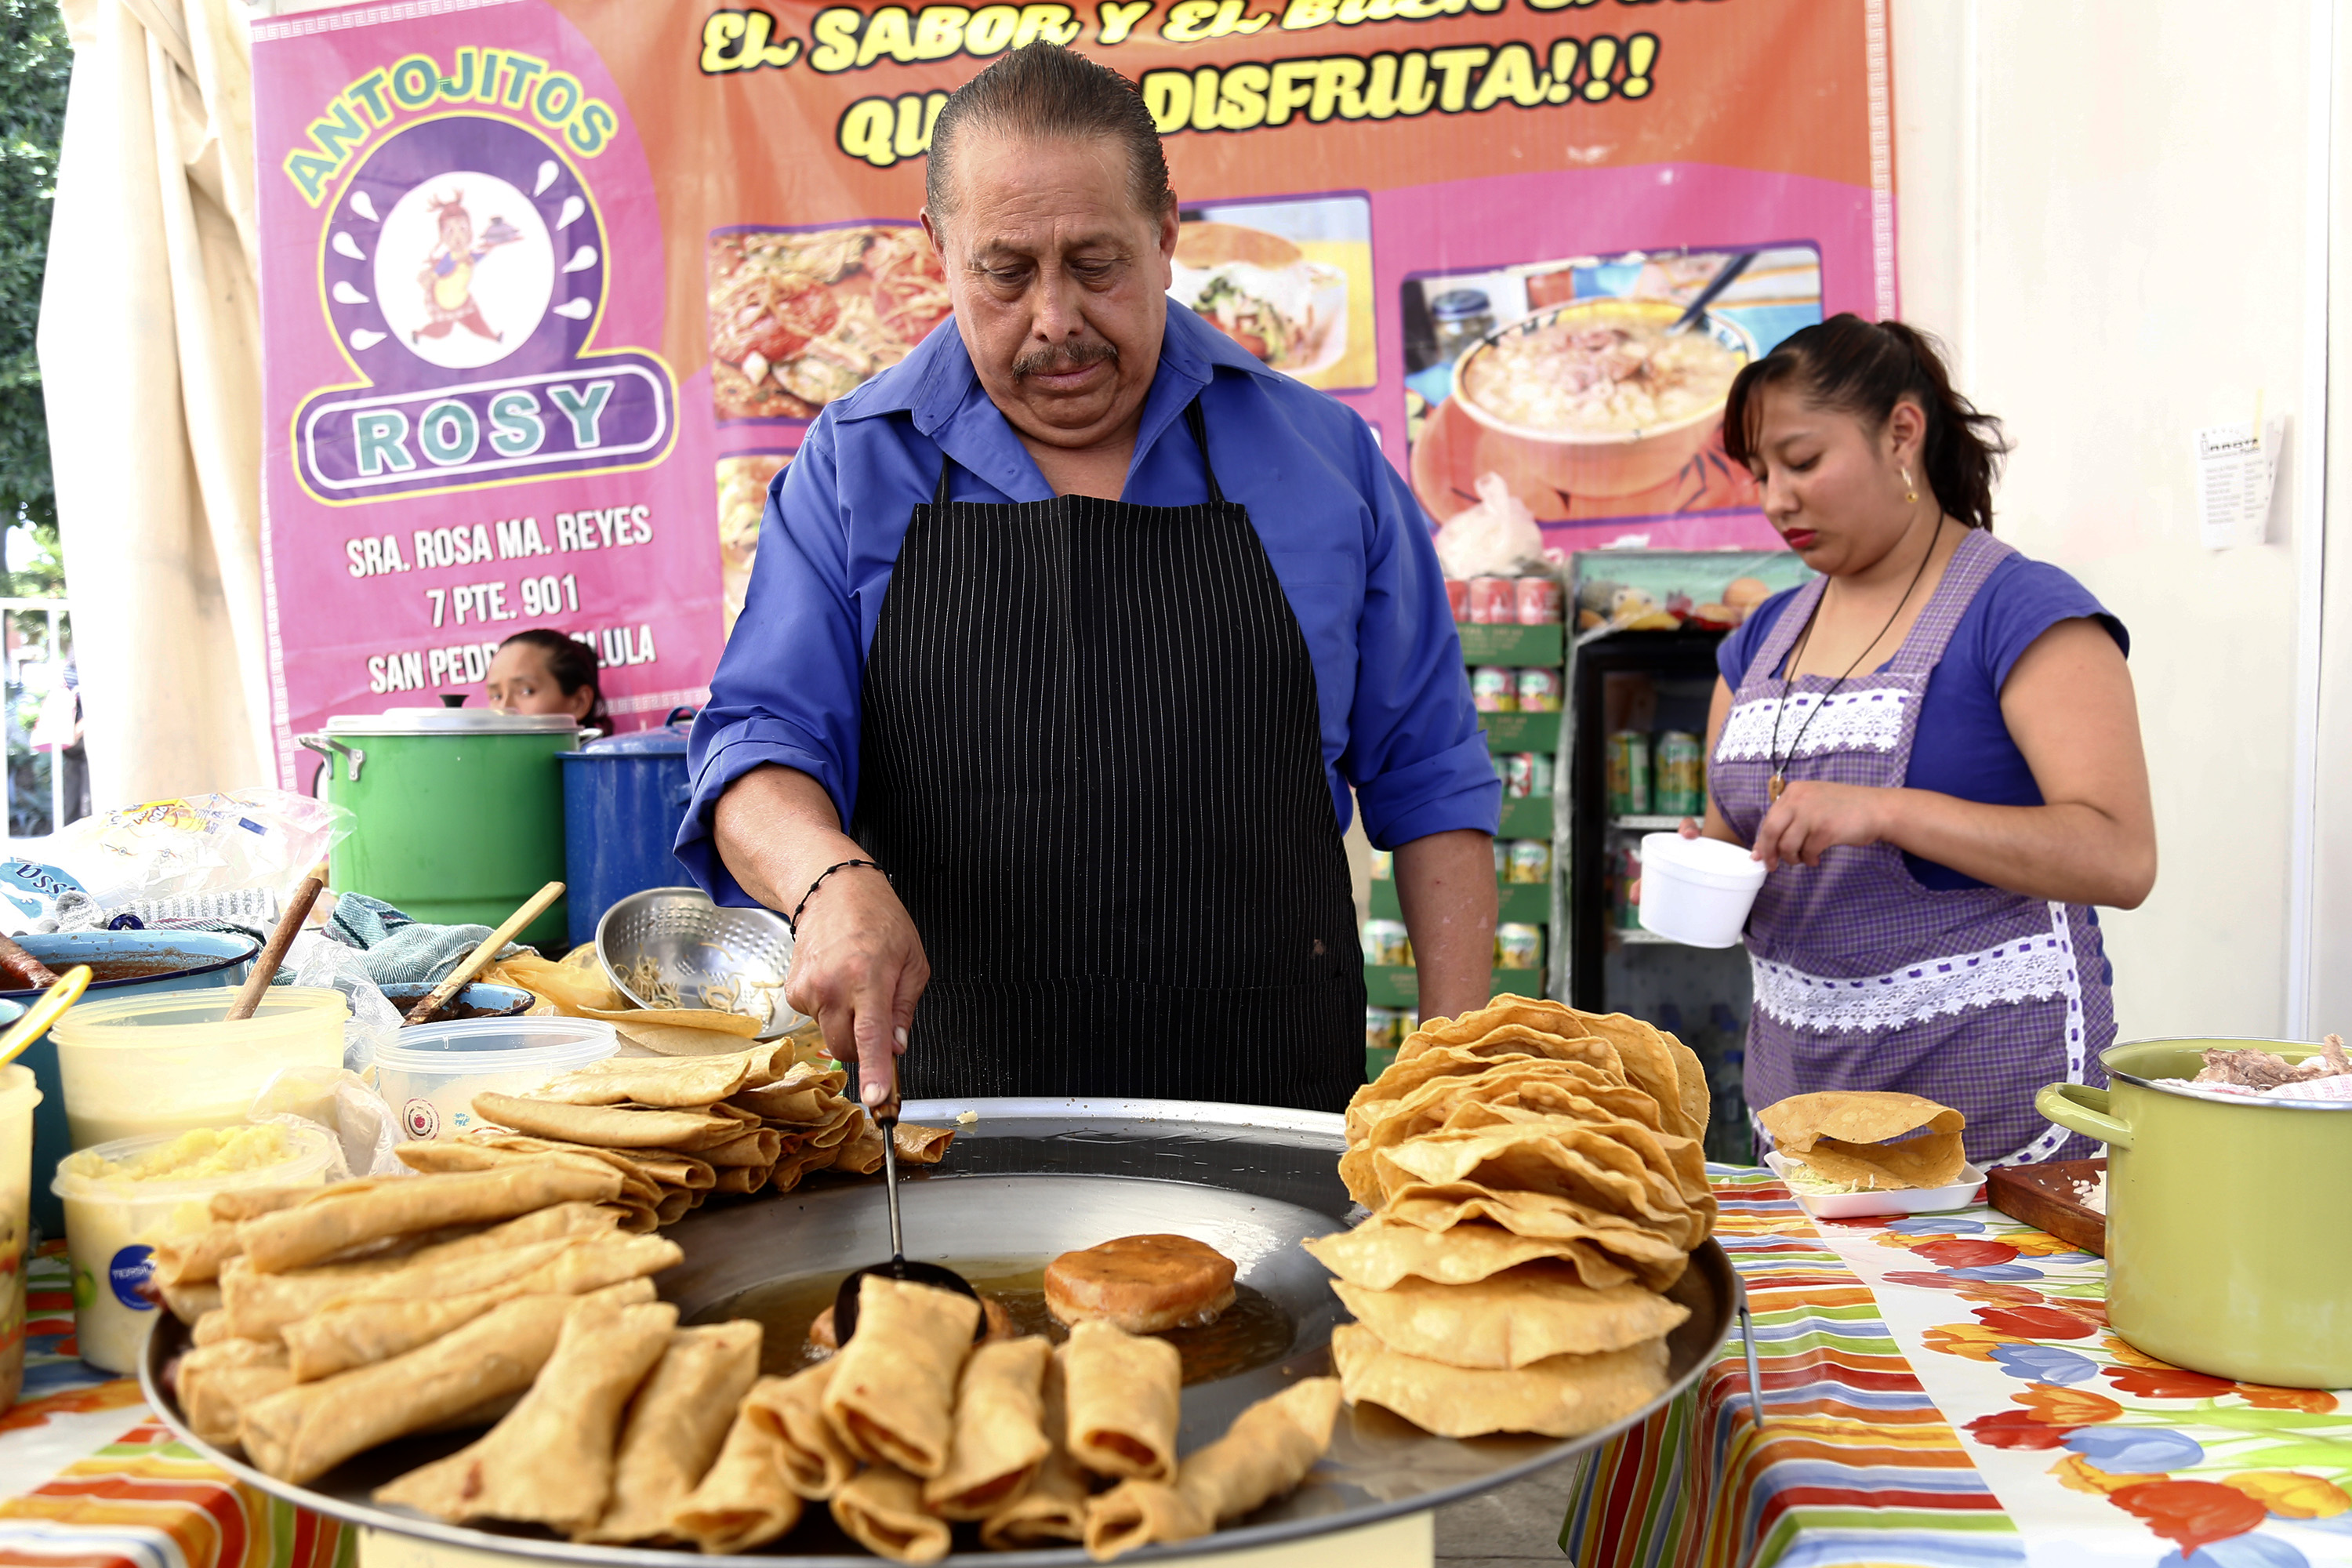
{"points": [[290, 926], [438, 997]]}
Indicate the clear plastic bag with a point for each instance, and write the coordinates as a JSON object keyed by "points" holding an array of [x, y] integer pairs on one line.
{"points": [[1495, 538], [342, 1105], [249, 841]]}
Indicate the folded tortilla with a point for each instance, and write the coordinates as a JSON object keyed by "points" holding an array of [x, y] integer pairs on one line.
{"points": [[1263, 1455], [1605, 1248], [307, 1430], [1598, 1167], [189, 1303], [711, 1020], [681, 1083], [549, 1460], [675, 1426], [861, 1154], [791, 1409], [741, 1502], [892, 1393], [210, 1329], [1053, 1509], [606, 1126], [262, 1306], [1652, 1066], [759, 1147], [1509, 1319], [336, 1218], [881, 1508], [196, 1256], [444, 1155], [1563, 1396], [1843, 1135], [1000, 1430], [1124, 1391], [216, 1382], [245, 1203], [675, 1206], [1381, 1251], [355, 1332], [743, 1179]]}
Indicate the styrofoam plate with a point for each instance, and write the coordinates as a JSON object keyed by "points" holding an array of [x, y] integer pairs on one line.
{"points": [[1900, 1200]]}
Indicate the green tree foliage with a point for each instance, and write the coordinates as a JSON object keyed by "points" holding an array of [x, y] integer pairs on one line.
{"points": [[36, 60]]}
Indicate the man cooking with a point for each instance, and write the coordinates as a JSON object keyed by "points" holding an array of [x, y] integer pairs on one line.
{"points": [[1083, 621]]}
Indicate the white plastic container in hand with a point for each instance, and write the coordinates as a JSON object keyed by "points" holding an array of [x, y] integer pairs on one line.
{"points": [[431, 1076], [1696, 891]]}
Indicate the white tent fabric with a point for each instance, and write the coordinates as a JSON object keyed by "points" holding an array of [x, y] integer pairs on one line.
{"points": [[151, 362]]}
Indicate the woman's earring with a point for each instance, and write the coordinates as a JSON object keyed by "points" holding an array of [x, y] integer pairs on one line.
{"points": [[1910, 494]]}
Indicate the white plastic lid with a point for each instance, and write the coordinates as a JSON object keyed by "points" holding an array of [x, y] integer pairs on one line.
{"points": [[1708, 862], [451, 721], [500, 1045]]}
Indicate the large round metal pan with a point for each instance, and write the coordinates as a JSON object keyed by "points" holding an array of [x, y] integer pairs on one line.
{"points": [[1029, 1179]]}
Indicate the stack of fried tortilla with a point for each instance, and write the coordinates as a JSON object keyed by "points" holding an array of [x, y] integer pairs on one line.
{"points": [[912, 1428], [338, 1317], [1537, 1182], [680, 1129]]}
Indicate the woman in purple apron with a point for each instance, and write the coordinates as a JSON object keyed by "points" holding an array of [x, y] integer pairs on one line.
{"points": [[1934, 747]]}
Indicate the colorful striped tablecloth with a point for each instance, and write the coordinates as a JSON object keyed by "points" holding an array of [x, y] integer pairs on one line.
{"points": [[89, 1478], [1943, 1392]]}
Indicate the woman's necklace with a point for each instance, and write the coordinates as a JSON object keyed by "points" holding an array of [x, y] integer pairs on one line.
{"points": [[1804, 639]]}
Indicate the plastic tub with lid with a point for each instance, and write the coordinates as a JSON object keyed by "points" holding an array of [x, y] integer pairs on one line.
{"points": [[431, 1076], [116, 1215], [1697, 891], [460, 811], [624, 799], [122, 963], [18, 1095], [143, 1066]]}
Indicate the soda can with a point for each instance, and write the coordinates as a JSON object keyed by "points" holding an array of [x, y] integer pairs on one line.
{"points": [[1629, 774], [1681, 775], [1457, 594], [1519, 946], [1494, 690], [1494, 601], [1538, 601], [1530, 860], [1385, 942], [1379, 1028], [1542, 784], [1383, 865], [1520, 774], [1539, 690]]}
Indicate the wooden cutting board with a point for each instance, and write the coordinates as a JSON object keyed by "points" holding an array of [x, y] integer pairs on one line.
{"points": [[2043, 1198]]}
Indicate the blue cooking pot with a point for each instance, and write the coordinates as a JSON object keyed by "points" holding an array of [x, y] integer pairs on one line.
{"points": [[122, 963], [624, 800]]}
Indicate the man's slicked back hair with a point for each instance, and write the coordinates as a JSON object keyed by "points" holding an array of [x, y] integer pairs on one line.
{"points": [[1047, 91]]}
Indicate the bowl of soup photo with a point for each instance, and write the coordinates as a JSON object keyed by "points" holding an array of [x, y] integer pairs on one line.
{"points": [[1596, 398]]}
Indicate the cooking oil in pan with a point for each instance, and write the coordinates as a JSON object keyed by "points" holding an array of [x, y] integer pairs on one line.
{"points": [[1253, 1332]]}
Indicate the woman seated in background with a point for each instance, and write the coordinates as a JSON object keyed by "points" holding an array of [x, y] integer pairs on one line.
{"points": [[542, 671], [1934, 749]]}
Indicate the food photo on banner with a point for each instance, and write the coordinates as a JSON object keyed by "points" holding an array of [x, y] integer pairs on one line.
{"points": [[552, 288]]}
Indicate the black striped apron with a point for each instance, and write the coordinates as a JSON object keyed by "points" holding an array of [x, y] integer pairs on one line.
{"points": [[1093, 767]]}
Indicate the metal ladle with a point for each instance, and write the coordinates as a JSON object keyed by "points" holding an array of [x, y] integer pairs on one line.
{"points": [[937, 1276]]}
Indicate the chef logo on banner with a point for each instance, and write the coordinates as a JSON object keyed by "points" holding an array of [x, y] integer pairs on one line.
{"points": [[463, 271]]}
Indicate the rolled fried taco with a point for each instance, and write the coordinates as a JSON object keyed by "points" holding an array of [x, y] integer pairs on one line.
{"points": [[882, 1509], [343, 1217], [742, 1502], [892, 1394], [999, 1437], [1124, 1393], [677, 1425]]}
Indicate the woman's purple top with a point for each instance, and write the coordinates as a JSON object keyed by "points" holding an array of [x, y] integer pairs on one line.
{"points": [[1963, 747]]}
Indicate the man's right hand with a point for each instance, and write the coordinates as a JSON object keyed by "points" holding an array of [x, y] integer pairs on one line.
{"points": [[859, 970], [858, 966]]}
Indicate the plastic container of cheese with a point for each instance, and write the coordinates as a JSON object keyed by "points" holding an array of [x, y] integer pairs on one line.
{"points": [[122, 1198]]}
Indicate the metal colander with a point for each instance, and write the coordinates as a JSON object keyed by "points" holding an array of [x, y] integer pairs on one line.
{"points": [[672, 947]]}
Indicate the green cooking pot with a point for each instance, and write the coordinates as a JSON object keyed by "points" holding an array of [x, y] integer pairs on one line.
{"points": [[2225, 1247], [460, 811]]}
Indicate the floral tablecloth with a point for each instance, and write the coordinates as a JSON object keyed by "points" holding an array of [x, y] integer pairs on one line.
{"points": [[1944, 1392], [89, 1478]]}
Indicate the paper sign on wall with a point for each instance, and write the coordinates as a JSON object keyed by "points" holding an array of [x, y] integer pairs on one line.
{"points": [[2235, 476]]}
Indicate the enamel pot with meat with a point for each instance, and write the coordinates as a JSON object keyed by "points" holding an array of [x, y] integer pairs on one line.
{"points": [[2225, 1244]]}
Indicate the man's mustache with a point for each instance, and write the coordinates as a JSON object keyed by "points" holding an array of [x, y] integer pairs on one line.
{"points": [[1066, 357]]}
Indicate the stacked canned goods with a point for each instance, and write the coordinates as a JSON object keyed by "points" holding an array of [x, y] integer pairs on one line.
{"points": [[1383, 865], [1533, 601], [1386, 942], [1539, 690], [1680, 788], [1494, 689], [1629, 774], [1519, 946], [1529, 861], [1526, 774]]}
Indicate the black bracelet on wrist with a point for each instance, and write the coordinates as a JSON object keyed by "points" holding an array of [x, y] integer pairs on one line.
{"points": [[794, 920]]}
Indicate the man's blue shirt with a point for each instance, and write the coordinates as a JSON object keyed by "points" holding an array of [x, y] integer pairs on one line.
{"points": [[1346, 538]]}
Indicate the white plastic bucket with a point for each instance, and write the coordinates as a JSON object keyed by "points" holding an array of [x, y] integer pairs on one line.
{"points": [[112, 1224], [431, 1076], [1696, 891], [170, 1061]]}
